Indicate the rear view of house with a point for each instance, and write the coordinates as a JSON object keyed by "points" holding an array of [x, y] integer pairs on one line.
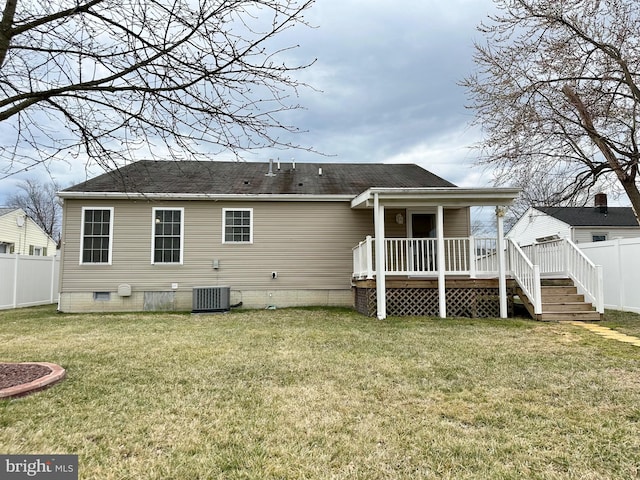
{"points": [[169, 235]]}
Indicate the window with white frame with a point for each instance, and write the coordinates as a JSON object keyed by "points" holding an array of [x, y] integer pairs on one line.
{"points": [[96, 235], [167, 235], [237, 225]]}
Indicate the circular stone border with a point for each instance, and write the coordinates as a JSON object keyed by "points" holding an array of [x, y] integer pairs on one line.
{"points": [[57, 373]]}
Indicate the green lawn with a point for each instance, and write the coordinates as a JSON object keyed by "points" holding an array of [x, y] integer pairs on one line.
{"points": [[324, 393], [624, 322]]}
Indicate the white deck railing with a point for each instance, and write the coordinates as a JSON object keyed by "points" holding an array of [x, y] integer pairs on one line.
{"points": [[478, 256], [563, 258], [526, 274], [418, 257], [587, 276], [363, 266]]}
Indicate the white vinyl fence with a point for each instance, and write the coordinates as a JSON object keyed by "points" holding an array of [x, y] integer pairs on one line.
{"points": [[620, 260], [27, 280]]}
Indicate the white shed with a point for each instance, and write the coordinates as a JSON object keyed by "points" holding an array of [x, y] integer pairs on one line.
{"points": [[579, 224]]}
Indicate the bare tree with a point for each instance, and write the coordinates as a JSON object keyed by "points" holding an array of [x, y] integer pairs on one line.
{"points": [[40, 203], [557, 93], [105, 80], [542, 188]]}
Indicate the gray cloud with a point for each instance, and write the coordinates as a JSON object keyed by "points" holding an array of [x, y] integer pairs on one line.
{"points": [[386, 87]]}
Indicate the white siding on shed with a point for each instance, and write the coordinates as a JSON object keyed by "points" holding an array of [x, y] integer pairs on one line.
{"points": [[585, 234], [535, 224]]}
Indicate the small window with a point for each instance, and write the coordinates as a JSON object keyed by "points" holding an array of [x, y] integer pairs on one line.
{"points": [[101, 296], [599, 237], [238, 225], [167, 235], [96, 235]]}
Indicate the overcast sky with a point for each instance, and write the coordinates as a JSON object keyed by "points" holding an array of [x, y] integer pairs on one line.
{"points": [[386, 75]]}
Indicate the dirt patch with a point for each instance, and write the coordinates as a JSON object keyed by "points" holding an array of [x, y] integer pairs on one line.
{"points": [[12, 374], [18, 379]]}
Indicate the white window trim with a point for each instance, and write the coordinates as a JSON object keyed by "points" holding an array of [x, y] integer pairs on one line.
{"points": [[153, 235], [82, 222], [224, 225], [111, 216]]}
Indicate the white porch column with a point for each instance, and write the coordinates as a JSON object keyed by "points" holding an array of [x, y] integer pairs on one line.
{"points": [[442, 291], [502, 264], [381, 287]]}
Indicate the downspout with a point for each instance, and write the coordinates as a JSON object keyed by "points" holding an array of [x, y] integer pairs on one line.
{"points": [[381, 287]]}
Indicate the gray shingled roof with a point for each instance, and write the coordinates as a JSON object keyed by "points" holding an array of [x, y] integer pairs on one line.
{"points": [[592, 216], [193, 177], [5, 210]]}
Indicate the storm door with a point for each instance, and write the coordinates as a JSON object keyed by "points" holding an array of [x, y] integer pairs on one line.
{"points": [[422, 243]]}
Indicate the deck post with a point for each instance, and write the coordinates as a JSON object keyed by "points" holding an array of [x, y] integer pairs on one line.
{"points": [[502, 269], [369, 254], [442, 291], [381, 287]]}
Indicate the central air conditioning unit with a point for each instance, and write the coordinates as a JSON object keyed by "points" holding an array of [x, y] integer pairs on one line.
{"points": [[211, 299]]}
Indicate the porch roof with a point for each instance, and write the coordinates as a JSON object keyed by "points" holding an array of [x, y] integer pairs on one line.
{"points": [[436, 196]]}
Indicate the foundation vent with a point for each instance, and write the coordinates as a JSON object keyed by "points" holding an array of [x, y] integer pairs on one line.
{"points": [[211, 299]]}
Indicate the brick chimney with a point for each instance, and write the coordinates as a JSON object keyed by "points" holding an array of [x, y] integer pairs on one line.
{"points": [[601, 202]]}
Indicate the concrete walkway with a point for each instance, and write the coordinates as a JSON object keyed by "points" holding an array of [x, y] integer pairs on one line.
{"points": [[606, 332]]}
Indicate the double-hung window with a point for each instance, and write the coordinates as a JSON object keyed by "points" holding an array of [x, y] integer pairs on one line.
{"points": [[168, 229], [237, 225], [96, 235]]}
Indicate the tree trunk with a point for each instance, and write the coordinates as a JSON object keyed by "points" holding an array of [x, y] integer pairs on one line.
{"points": [[5, 28], [627, 180]]}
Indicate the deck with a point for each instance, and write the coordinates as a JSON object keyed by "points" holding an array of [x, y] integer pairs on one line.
{"points": [[416, 268]]}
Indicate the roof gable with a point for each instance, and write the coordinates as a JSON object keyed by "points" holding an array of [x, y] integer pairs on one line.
{"points": [[592, 216], [253, 178]]}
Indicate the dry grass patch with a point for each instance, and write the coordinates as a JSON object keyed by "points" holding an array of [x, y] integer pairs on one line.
{"points": [[306, 393]]}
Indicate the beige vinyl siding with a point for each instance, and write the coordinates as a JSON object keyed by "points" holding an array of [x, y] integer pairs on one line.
{"points": [[393, 229], [457, 222], [309, 244]]}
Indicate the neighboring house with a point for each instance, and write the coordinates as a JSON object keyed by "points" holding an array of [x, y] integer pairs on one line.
{"points": [[578, 224], [150, 235], [20, 234]]}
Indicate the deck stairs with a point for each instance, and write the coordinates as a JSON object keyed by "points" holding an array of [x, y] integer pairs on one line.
{"points": [[560, 301]]}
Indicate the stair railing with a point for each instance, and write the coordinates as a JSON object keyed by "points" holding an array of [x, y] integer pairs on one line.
{"points": [[526, 274], [587, 276]]}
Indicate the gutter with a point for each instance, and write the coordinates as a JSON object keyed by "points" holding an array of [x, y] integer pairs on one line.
{"points": [[205, 196]]}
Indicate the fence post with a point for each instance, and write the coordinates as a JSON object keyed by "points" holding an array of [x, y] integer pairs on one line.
{"points": [[622, 294], [15, 280], [53, 275], [600, 288]]}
